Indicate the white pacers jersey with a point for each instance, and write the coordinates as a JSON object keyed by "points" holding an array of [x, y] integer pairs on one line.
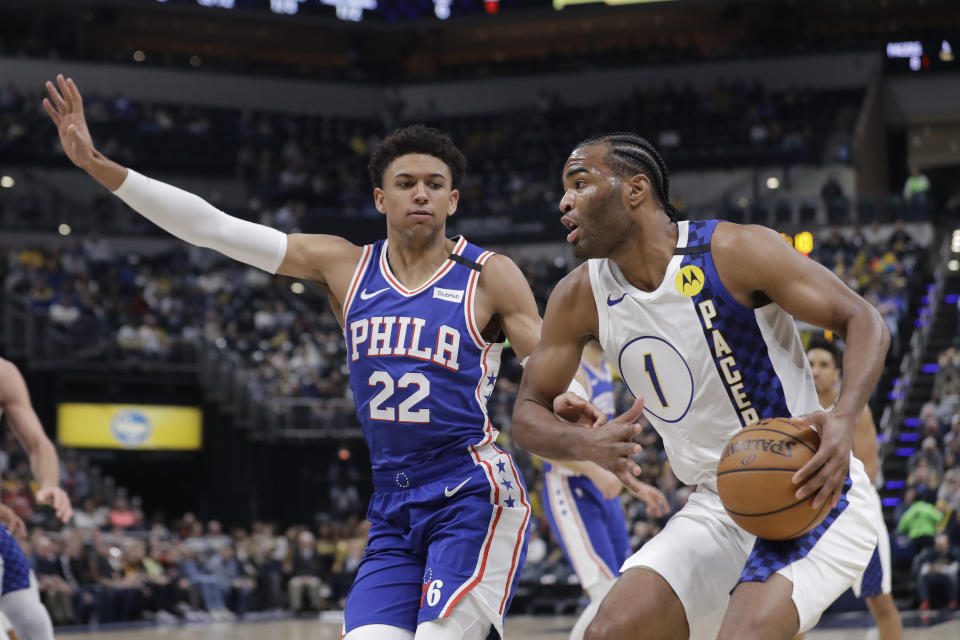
{"points": [[705, 364]]}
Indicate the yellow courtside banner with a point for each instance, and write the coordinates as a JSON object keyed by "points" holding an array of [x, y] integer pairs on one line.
{"points": [[129, 426]]}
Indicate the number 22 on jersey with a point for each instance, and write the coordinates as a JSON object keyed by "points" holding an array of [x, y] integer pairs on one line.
{"points": [[404, 412]]}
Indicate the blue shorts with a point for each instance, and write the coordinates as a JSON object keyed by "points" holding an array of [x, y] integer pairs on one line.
{"points": [[591, 529], [438, 532], [14, 568]]}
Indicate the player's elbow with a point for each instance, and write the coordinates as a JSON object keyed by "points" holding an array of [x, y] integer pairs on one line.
{"points": [[521, 429]]}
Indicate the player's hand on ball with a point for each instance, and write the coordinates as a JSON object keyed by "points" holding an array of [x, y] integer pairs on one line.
{"points": [[827, 470], [58, 499], [653, 498], [12, 522], [65, 108], [611, 446], [575, 409]]}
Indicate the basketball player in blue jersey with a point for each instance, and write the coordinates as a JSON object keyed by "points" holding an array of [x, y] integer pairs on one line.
{"points": [[19, 598], [699, 319], [582, 505], [424, 318], [875, 586]]}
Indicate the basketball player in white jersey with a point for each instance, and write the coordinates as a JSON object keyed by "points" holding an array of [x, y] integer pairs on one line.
{"points": [[875, 585], [698, 318], [424, 318], [19, 598]]}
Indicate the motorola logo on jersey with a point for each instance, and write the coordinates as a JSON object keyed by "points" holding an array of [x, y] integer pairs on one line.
{"points": [[690, 280], [653, 368]]}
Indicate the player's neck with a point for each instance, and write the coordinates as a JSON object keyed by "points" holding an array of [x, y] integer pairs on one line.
{"points": [[414, 258], [827, 398], [643, 259]]}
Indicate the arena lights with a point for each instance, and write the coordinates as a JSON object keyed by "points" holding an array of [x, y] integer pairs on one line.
{"points": [[351, 10], [139, 56], [955, 241], [297, 288], [953, 265], [285, 7], [7, 182], [560, 4], [441, 8], [802, 242], [773, 183], [64, 229]]}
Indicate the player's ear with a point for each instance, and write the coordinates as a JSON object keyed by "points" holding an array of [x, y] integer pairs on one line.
{"points": [[637, 188], [378, 197], [452, 202]]}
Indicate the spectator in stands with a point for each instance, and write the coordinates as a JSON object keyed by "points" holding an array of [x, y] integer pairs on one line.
{"points": [[916, 193], [56, 593], [210, 587], [948, 497], [937, 576], [234, 582], [304, 568], [929, 454], [121, 516], [919, 522]]}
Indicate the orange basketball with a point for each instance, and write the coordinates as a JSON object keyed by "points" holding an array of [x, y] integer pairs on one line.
{"points": [[754, 479]]}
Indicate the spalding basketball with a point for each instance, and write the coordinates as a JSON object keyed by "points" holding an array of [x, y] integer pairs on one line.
{"points": [[754, 479]]}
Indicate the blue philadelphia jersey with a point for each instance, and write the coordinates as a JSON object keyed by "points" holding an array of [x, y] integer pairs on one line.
{"points": [[601, 387], [420, 370]]}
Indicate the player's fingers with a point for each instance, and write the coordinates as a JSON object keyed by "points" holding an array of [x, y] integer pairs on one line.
{"points": [[64, 91], [76, 98], [815, 418], [56, 98], [48, 107], [813, 482], [632, 414], [630, 482], [807, 471]]}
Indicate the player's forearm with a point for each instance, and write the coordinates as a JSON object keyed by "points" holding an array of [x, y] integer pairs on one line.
{"points": [[193, 219], [45, 464], [537, 430], [867, 339], [105, 171]]}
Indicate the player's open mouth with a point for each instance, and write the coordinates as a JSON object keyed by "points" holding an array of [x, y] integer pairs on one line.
{"points": [[573, 227]]}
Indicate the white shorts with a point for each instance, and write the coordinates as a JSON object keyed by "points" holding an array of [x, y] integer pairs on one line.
{"points": [[876, 579], [703, 555]]}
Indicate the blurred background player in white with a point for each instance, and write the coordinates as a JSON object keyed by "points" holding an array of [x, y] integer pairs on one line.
{"points": [[875, 585], [582, 505], [424, 319], [19, 598]]}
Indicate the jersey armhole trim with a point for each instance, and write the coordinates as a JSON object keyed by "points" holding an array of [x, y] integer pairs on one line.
{"points": [[469, 309], [355, 280]]}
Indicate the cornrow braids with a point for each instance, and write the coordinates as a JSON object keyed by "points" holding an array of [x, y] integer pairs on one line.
{"points": [[631, 154]]}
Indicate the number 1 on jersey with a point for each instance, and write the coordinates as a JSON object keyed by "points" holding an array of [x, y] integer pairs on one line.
{"points": [[654, 380]]}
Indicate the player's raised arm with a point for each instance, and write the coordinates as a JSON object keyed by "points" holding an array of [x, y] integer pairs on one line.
{"points": [[26, 427], [191, 218], [810, 292], [570, 318]]}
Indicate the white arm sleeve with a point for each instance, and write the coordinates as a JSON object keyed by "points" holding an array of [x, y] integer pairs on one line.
{"points": [[193, 219]]}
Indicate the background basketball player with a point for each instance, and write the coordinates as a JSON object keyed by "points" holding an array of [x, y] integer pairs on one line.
{"points": [[424, 318], [698, 317], [19, 598], [875, 586], [582, 505]]}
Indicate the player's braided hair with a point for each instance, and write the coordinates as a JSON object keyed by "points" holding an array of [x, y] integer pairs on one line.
{"points": [[417, 138], [629, 155]]}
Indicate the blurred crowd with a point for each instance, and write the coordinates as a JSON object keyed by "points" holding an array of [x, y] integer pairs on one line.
{"points": [[297, 170]]}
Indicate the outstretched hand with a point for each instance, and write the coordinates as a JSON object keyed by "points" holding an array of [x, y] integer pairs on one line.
{"points": [[58, 499], [65, 108], [825, 473], [575, 409], [611, 446]]}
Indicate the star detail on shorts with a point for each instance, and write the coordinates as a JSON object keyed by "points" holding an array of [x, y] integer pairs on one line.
{"points": [[502, 466], [492, 380], [510, 501], [507, 484]]}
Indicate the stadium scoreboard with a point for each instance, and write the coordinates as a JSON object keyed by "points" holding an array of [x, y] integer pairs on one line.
{"points": [[396, 10]]}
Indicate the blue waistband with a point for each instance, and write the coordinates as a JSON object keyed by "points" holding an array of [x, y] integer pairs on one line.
{"points": [[420, 474]]}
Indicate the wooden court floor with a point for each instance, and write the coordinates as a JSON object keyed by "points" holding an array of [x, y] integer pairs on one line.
{"points": [[518, 628]]}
